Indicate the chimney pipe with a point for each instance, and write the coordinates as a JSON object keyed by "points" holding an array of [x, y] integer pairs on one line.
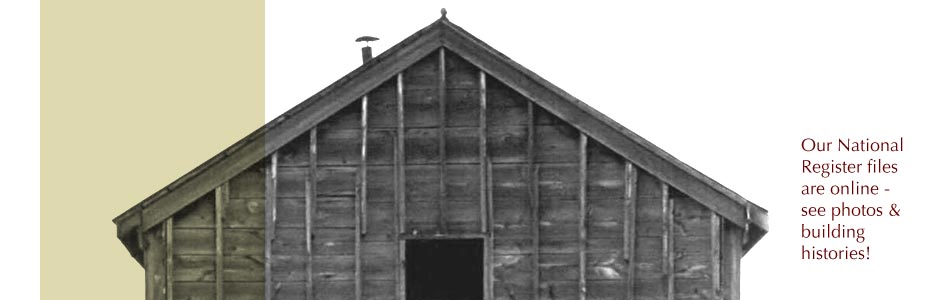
{"points": [[366, 54], [366, 51]]}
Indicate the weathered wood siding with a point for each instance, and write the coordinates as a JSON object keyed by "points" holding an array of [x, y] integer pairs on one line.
{"points": [[183, 258], [444, 150]]}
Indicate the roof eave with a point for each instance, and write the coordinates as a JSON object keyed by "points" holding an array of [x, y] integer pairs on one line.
{"points": [[128, 231]]}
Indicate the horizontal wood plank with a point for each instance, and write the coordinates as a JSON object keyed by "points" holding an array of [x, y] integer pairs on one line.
{"points": [[194, 268], [243, 213], [194, 290], [243, 268], [199, 214], [243, 241], [243, 290]]}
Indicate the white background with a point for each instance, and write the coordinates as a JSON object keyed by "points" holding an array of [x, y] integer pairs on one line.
{"points": [[19, 151], [729, 87]]}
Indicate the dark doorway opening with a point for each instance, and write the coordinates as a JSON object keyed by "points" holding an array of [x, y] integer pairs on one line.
{"points": [[448, 269]]}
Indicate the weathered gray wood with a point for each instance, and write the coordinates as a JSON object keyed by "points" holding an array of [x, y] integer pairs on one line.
{"points": [[221, 199], [533, 177], [482, 153], [379, 260], [195, 290], [155, 263], [715, 266], [336, 181], [359, 210], [399, 182], [400, 275], [249, 183], [380, 149], [488, 242], [668, 242], [295, 153], [310, 201], [194, 268], [339, 146], [626, 143], [244, 290], [270, 207], [582, 216], [732, 238], [511, 276], [441, 141], [199, 214], [243, 268], [422, 93], [243, 212], [289, 291], [363, 177], [243, 241], [400, 157], [507, 108], [558, 182], [382, 111], [168, 229], [357, 255], [629, 227]]}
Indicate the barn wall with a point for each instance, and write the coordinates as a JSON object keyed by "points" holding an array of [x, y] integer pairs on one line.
{"points": [[184, 256], [444, 150]]}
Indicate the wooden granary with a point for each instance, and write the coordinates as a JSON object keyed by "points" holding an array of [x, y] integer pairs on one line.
{"points": [[441, 169]]}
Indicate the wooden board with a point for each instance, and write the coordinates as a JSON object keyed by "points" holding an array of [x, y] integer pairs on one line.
{"points": [[194, 268], [380, 146], [296, 153], [244, 213], [194, 290], [243, 290], [241, 268], [291, 212], [288, 268], [421, 102], [243, 241], [505, 107], [155, 264], [199, 214], [383, 106], [249, 183]]}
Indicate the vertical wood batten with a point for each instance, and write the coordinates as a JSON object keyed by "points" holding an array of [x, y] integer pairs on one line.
{"points": [[716, 253], [441, 150], [582, 216], [310, 204], [363, 178], [629, 227], [399, 182], [148, 265], [358, 211], [221, 198], [488, 241], [168, 228], [155, 262], [400, 287], [400, 155], [732, 238], [270, 194], [533, 173], [482, 154], [360, 207], [668, 246]]}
